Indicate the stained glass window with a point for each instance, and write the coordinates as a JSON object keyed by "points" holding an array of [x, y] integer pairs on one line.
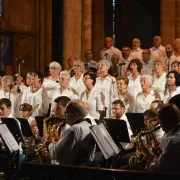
{"points": [[0, 7]]}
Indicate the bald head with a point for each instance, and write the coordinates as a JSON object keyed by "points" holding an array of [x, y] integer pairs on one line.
{"points": [[75, 111], [109, 42], [157, 41]]}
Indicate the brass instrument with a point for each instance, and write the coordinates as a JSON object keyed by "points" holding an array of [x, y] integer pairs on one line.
{"points": [[50, 125], [143, 153], [33, 109]]}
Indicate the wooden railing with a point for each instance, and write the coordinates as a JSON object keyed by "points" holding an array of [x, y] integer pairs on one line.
{"points": [[33, 171]]}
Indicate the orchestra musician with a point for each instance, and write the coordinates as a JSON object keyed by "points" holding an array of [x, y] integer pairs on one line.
{"points": [[168, 162], [147, 144], [76, 145]]}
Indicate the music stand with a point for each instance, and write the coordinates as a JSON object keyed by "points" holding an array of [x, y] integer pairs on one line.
{"points": [[136, 121], [118, 130], [25, 127], [39, 122], [14, 128]]}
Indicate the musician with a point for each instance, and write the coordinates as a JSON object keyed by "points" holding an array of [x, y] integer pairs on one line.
{"points": [[75, 145], [168, 162], [25, 111], [5, 112], [151, 143], [59, 111], [118, 111]]}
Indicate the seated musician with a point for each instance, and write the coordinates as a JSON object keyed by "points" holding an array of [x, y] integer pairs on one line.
{"points": [[146, 144], [76, 145], [118, 111], [5, 112], [168, 162]]}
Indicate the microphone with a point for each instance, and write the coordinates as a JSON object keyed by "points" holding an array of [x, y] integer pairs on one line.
{"points": [[10, 86], [122, 63], [106, 54], [20, 60]]}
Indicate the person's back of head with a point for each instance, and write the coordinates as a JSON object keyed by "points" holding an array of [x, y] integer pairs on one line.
{"points": [[75, 111], [169, 117], [175, 100]]}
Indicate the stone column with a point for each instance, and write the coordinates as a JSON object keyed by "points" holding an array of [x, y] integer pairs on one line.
{"points": [[167, 18], [177, 26], [86, 25], [71, 29], [68, 25]]}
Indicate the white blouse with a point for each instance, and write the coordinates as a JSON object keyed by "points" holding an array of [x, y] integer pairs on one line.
{"points": [[94, 102], [50, 86]]}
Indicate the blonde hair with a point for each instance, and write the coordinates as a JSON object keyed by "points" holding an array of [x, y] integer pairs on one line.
{"points": [[56, 65], [8, 77], [161, 61], [81, 63]]}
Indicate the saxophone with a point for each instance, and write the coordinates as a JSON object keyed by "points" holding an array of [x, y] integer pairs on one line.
{"points": [[41, 150], [143, 153], [50, 125]]}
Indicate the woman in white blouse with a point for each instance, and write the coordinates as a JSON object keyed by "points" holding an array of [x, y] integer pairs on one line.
{"points": [[107, 85], [76, 82], [159, 81], [51, 82], [92, 95], [173, 83], [36, 94], [123, 95], [134, 86]]}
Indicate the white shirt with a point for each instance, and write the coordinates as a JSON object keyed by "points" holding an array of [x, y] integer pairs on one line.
{"points": [[67, 92], [124, 144], [168, 96], [50, 86], [108, 53], [13, 99], [93, 122], [157, 52], [147, 68], [136, 54], [143, 103], [94, 102], [108, 87], [134, 86], [78, 85], [159, 85]]}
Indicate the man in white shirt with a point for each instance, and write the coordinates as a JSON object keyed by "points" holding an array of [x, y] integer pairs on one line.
{"points": [[109, 50], [157, 50], [118, 111]]}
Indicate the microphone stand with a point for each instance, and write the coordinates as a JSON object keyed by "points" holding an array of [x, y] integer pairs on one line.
{"points": [[20, 61]]}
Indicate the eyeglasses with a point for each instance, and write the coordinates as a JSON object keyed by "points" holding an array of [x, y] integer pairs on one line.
{"points": [[116, 108], [86, 78]]}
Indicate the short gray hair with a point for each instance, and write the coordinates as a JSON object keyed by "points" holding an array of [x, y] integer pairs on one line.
{"points": [[65, 73], [147, 77], [104, 61], [56, 65]]}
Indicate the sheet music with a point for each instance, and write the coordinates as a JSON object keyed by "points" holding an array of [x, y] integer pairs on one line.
{"points": [[104, 141], [8, 138]]}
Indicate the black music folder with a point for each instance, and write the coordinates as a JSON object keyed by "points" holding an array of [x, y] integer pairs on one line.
{"points": [[13, 126], [25, 127], [39, 122], [118, 130], [136, 121]]}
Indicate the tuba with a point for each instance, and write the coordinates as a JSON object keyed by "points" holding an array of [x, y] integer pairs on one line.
{"points": [[144, 153]]}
